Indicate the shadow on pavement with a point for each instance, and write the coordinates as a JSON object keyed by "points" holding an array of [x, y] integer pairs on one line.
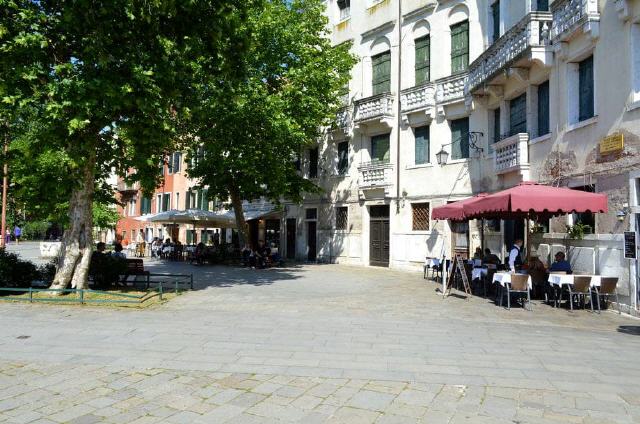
{"points": [[633, 330]]}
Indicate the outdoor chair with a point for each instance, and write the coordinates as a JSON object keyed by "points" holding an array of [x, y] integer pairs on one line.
{"points": [[519, 285], [607, 288], [555, 292], [581, 288]]}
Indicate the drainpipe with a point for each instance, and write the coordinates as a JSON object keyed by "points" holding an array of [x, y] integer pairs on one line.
{"points": [[398, 106]]}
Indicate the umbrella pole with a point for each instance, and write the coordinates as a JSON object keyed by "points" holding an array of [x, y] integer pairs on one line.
{"points": [[527, 238]]}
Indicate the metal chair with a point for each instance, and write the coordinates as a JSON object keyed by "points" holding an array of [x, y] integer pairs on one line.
{"points": [[556, 292], [607, 288], [581, 288], [519, 284]]}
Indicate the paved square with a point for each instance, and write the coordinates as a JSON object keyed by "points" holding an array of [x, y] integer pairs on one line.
{"points": [[316, 344]]}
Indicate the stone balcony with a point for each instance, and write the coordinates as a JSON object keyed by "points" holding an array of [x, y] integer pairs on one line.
{"points": [[124, 187], [526, 41], [421, 98], [571, 15], [378, 108], [451, 89], [343, 120], [512, 154], [375, 175]]}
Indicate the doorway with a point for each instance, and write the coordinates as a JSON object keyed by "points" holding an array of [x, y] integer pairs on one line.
{"points": [[311, 241], [379, 235], [291, 238]]}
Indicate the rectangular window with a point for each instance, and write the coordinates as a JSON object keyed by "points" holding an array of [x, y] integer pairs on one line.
{"points": [[345, 9], [421, 145], [460, 138], [381, 66], [342, 218], [296, 162], [204, 193], [166, 201], [190, 236], [495, 15], [311, 213], [585, 89], [518, 115], [496, 125], [459, 47], [543, 6], [187, 199], [145, 205], [177, 162], [543, 108], [380, 148], [423, 59], [313, 163], [420, 216], [177, 202], [343, 158]]}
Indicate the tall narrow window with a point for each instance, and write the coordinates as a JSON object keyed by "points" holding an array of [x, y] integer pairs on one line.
{"points": [[345, 9], [166, 201], [342, 217], [518, 115], [313, 163], [343, 158], [585, 89], [460, 138], [496, 125], [543, 108], [381, 73], [380, 148], [543, 5], [459, 47], [177, 162], [177, 203], [423, 59], [421, 145], [187, 199], [420, 216], [495, 16]]}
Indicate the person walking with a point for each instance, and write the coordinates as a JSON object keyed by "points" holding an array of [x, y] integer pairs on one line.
{"points": [[17, 233], [7, 236]]}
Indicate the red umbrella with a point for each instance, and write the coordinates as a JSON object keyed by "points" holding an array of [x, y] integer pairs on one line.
{"points": [[529, 198], [455, 211]]}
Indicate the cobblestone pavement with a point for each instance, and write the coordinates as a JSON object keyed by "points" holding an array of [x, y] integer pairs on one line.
{"points": [[311, 344]]}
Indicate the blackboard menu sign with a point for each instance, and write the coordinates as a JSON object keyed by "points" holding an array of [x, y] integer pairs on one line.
{"points": [[630, 248]]}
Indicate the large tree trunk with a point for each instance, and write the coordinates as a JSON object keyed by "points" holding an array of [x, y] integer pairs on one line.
{"points": [[75, 254], [241, 225]]}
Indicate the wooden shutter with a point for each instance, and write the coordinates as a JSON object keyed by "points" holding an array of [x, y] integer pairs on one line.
{"points": [[343, 158], [460, 138], [495, 15], [518, 115], [423, 59], [381, 73], [585, 70], [421, 145], [543, 108], [380, 148], [459, 47]]}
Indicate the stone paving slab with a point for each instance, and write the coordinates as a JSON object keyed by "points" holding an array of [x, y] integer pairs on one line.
{"points": [[316, 344]]}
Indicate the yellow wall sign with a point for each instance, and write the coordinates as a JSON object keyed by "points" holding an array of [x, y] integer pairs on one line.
{"points": [[612, 143]]}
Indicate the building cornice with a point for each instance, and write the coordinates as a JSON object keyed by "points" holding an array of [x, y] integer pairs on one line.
{"points": [[420, 11], [378, 29]]}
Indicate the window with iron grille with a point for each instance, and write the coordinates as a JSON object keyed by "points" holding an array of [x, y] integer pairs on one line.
{"points": [[459, 47], [420, 216], [342, 217]]}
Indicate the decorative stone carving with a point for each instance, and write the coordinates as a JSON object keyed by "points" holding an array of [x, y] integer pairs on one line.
{"points": [[374, 108], [572, 15], [512, 154], [421, 98]]}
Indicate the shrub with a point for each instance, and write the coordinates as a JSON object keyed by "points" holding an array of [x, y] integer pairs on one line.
{"points": [[15, 272]]}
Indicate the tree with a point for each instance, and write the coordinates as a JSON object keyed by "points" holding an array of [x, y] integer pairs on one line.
{"points": [[246, 147], [101, 86]]}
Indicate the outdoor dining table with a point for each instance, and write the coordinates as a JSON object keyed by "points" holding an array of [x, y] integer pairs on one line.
{"points": [[478, 273], [431, 263], [504, 278], [559, 280]]}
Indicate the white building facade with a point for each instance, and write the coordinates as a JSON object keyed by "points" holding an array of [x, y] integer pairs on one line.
{"points": [[512, 91]]}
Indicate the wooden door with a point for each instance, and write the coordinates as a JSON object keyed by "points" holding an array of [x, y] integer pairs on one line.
{"points": [[379, 236], [291, 238]]}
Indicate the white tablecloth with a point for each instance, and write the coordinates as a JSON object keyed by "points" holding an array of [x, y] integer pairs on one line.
{"points": [[478, 273], [504, 278], [567, 279], [432, 262]]}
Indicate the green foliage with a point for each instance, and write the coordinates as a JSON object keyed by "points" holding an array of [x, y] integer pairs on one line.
{"points": [[578, 230], [257, 123], [104, 215], [35, 230], [15, 272]]}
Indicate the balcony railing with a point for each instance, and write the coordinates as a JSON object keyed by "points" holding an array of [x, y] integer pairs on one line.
{"points": [[568, 15], [531, 31], [374, 107], [375, 174], [124, 186], [512, 153], [343, 119], [451, 89], [418, 98]]}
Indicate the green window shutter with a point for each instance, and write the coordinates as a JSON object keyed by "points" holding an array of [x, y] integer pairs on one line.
{"points": [[459, 47], [495, 15], [543, 108], [460, 138], [189, 236], [421, 145], [205, 199], [343, 158], [585, 70], [423, 61], [381, 65], [166, 201], [518, 115], [187, 197], [380, 148]]}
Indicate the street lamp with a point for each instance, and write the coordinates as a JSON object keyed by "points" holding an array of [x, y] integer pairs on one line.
{"points": [[442, 156]]}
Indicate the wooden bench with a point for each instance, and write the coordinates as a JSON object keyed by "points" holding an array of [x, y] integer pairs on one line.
{"points": [[135, 267]]}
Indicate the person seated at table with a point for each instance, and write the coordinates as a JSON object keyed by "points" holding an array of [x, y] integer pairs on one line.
{"points": [[478, 254], [200, 253], [263, 254], [560, 264], [275, 256], [245, 255], [490, 258], [538, 272], [515, 256]]}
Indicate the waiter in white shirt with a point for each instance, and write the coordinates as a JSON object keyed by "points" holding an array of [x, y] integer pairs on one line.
{"points": [[515, 260]]}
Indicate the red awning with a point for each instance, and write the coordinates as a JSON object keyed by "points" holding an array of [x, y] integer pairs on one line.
{"points": [[455, 210], [530, 198]]}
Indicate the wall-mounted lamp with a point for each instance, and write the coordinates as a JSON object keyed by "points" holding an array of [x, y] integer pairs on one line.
{"points": [[442, 156], [621, 214]]}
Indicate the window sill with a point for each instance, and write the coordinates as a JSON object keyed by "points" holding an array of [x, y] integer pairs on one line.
{"points": [[420, 166], [540, 139], [633, 106], [582, 124], [457, 161]]}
